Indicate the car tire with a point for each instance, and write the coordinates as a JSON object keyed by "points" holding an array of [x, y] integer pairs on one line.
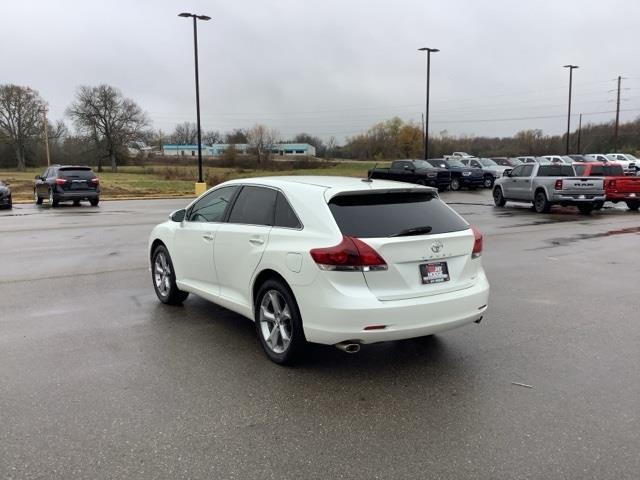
{"points": [[163, 278], [94, 201], [598, 205], [76, 203], [455, 184], [633, 205], [585, 208], [53, 201], [541, 203], [278, 322], [37, 198], [488, 181], [498, 197]]}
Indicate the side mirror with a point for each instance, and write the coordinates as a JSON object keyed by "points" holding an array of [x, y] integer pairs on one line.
{"points": [[178, 215], [506, 173]]}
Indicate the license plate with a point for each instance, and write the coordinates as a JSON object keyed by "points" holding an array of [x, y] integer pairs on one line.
{"points": [[436, 272]]}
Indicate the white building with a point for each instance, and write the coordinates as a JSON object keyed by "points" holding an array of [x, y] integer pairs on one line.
{"points": [[217, 149]]}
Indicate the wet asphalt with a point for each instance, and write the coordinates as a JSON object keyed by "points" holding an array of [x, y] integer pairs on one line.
{"points": [[98, 380]]}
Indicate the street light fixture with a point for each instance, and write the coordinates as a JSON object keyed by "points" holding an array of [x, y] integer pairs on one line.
{"points": [[200, 187], [426, 117], [570, 67]]}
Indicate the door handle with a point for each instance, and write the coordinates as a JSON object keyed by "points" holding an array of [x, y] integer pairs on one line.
{"points": [[256, 241], [208, 236]]}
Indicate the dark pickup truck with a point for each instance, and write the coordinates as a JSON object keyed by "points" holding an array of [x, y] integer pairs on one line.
{"points": [[461, 175], [414, 171]]}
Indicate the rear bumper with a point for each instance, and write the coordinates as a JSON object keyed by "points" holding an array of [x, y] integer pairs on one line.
{"points": [[4, 201], [622, 196], [63, 195], [330, 316], [576, 198]]}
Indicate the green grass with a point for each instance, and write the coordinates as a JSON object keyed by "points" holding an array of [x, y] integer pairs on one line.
{"points": [[162, 181]]}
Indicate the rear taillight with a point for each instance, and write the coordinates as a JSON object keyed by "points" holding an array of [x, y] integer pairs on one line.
{"points": [[558, 185], [95, 181], [351, 254], [60, 181], [612, 184], [477, 243]]}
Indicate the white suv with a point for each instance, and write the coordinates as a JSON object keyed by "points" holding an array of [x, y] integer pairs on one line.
{"points": [[337, 261], [628, 161]]}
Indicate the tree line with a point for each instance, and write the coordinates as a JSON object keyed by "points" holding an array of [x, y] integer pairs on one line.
{"points": [[395, 138], [106, 123]]}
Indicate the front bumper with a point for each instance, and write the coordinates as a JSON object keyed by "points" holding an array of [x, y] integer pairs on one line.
{"points": [[331, 316], [472, 181]]}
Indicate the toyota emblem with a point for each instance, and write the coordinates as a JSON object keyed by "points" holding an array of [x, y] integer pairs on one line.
{"points": [[437, 246]]}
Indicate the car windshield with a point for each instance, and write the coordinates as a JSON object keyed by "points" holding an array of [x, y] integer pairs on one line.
{"points": [[632, 157], [378, 215], [567, 159], [455, 163], [515, 161], [438, 163], [487, 162], [422, 164]]}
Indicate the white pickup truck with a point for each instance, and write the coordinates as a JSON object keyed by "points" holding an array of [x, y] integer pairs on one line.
{"points": [[545, 185]]}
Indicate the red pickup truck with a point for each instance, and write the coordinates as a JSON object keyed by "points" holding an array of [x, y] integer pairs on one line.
{"points": [[617, 186]]}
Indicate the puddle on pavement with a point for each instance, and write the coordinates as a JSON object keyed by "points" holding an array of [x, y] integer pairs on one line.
{"points": [[566, 241]]}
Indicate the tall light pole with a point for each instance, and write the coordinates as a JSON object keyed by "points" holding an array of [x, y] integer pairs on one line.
{"points": [[426, 115], [570, 67], [46, 135], [201, 187]]}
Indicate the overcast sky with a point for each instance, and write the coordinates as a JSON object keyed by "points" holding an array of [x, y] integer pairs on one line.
{"points": [[333, 67]]}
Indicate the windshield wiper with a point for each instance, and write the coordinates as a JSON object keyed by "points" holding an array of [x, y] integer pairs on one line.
{"points": [[412, 231]]}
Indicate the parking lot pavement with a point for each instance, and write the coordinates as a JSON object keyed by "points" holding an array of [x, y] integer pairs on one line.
{"points": [[99, 380]]}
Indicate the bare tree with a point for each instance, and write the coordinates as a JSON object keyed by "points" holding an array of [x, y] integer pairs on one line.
{"points": [[211, 137], [185, 133], [108, 118], [21, 118], [236, 136], [261, 141]]}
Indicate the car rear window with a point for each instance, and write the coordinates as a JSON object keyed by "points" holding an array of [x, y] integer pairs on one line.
{"points": [[377, 215], [556, 171], [83, 173]]}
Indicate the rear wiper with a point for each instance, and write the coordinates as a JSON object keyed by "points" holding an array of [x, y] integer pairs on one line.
{"points": [[412, 231]]}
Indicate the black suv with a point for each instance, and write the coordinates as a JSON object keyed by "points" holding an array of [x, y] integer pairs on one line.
{"points": [[65, 183], [461, 175], [5, 195]]}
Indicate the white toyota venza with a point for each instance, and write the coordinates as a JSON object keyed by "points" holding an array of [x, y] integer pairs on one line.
{"points": [[331, 260]]}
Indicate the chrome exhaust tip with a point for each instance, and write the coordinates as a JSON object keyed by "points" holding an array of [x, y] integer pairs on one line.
{"points": [[348, 347]]}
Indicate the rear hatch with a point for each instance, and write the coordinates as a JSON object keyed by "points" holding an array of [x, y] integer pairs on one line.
{"points": [[77, 179], [583, 185], [426, 245]]}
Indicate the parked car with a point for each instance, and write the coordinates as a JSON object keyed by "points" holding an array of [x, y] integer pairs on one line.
{"points": [[507, 161], [420, 172], [331, 260], [5, 195], [582, 159], [561, 159], [597, 157], [628, 162], [617, 186], [548, 184], [490, 169], [63, 183], [461, 175], [527, 159], [459, 155]]}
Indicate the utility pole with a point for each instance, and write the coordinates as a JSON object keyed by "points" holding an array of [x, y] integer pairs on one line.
{"points": [[426, 116], [615, 133], [46, 135], [422, 115], [579, 133], [570, 67]]}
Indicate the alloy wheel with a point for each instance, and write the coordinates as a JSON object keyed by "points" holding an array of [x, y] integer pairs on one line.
{"points": [[275, 321], [162, 274]]}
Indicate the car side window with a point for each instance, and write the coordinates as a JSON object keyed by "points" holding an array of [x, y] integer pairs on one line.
{"points": [[285, 216], [517, 172], [254, 206], [211, 207], [476, 164], [527, 170]]}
